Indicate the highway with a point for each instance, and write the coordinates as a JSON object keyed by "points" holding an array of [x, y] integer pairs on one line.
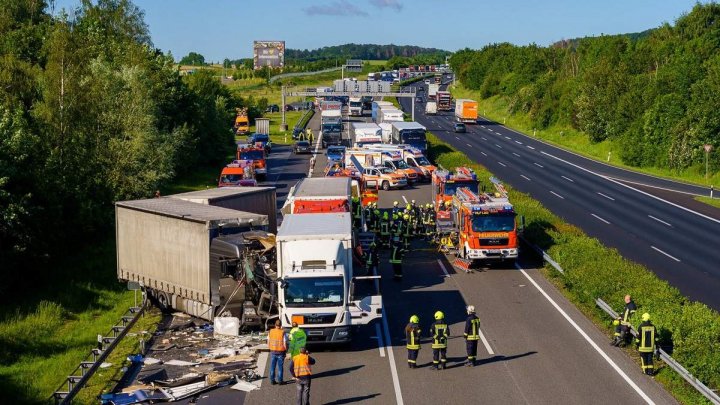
{"points": [[625, 210], [538, 349]]}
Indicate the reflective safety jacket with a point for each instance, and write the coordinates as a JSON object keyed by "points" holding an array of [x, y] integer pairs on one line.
{"points": [[301, 366], [412, 335], [298, 339], [472, 327], [440, 333], [647, 336], [628, 312], [276, 340], [396, 255]]}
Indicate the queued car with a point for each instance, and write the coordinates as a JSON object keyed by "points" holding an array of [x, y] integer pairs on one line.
{"points": [[272, 108], [336, 153], [459, 127], [302, 147], [262, 139]]}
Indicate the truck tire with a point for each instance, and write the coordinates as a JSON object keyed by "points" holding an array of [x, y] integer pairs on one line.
{"points": [[162, 300], [386, 185]]}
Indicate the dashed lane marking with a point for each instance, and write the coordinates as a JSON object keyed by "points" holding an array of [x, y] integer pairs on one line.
{"points": [[557, 195], [606, 196], [665, 253], [607, 222]]}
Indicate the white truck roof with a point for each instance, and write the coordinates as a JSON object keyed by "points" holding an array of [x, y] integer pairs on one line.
{"points": [[220, 193], [323, 187], [364, 125], [401, 125], [208, 214], [316, 226]]}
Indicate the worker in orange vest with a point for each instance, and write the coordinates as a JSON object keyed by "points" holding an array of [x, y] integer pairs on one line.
{"points": [[277, 344], [301, 370]]}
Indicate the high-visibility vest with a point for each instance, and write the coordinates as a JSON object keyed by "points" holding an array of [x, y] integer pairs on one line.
{"points": [[628, 312], [474, 329], [384, 227], [301, 364], [440, 335], [396, 256], [276, 340], [298, 339], [412, 334], [646, 334]]}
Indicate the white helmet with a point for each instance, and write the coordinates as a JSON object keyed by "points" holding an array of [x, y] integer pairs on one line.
{"points": [[471, 309]]}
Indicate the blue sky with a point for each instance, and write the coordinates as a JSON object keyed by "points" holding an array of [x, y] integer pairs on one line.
{"points": [[226, 28]]}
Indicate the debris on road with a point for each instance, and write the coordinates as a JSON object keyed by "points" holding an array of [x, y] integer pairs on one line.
{"points": [[189, 357]]}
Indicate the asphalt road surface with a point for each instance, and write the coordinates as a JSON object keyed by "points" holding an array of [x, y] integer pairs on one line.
{"points": [[623, 209], [537, 348]]}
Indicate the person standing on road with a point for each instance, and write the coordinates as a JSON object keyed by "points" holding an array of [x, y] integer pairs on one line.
{"points": [[646, 344], [372, 260], [440, 333], [396, 257], [300, 367], [277, 344], [472, 335], [623, 323], [412, 336]]}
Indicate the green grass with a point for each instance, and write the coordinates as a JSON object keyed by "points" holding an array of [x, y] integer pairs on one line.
{"points": [[715, 202], [593, 270], [496, 109]]}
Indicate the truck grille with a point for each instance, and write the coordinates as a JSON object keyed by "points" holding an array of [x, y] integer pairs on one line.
{"points": [[493, 241], [314, 319]]}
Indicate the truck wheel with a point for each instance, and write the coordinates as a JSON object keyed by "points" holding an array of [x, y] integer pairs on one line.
{"points": [[385, 185], [163, 301]]}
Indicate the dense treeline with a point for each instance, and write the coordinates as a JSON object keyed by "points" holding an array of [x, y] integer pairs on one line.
{"points": [[90, 113], [654, 94], [359, 51]]}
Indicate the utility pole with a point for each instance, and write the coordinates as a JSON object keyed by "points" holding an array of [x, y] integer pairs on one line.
{"points": [[708, 148]]}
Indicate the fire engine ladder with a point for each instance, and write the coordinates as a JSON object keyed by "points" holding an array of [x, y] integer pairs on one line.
{"points": [[499, 186], [465, 195]]}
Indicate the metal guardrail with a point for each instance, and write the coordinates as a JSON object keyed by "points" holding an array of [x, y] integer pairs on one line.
{"points": [[703, 389], [544, 255], [296, 74], [302, 120], [82, 373]]}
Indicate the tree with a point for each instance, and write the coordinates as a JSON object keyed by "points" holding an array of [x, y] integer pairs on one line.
{"points": [[193, 59]]}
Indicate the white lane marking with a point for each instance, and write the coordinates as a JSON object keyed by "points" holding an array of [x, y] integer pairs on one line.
{"points": [[530, 147], [607, 222], [538, 165], [442, 266], [457, 137], [516, 154], [556, 195], [610, 179], [568, 179], [404, 199], [483, 153], [665, 253], [525, 177], [381, 345], [391, 357], [482, 126], [608, 197], [483, 138], [468, 145], [587, 338], [498, 146], [508, 138], [502, 164], [657, 187], [262, 365], [660, 220], [518, 142]]}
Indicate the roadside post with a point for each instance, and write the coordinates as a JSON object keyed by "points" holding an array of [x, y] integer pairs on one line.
{"points": [[708, 148]]}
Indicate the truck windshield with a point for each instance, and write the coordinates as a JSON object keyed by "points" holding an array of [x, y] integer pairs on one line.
{"points": [[356, 104], [450, 188], [231, 178], [252, 155], [315, 291], [331, 128], [493, 223], [401, 164]]}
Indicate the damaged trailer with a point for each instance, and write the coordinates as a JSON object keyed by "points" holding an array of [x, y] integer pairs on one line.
{"points": [[200, 259]]}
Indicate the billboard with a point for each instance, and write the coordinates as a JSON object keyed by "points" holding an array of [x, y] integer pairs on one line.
{"points": [[268, 53]]}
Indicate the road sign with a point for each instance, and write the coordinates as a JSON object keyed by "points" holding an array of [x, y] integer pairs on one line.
{"points": [[708, 148]]}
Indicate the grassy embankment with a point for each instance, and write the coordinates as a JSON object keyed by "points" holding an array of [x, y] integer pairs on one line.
{"points": [[496, 109], [593, 270]]}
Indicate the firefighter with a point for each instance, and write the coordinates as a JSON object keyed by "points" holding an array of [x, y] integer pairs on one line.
{"points": [[412, 336], [408, 231], [396, 257], [440, 333], [398, 226], [647, 344], [357, 212], [372, 258], [623, 323], [430, 227], [376, 221], [395, 208], [311, 137], [472, 335], [385, 229]]}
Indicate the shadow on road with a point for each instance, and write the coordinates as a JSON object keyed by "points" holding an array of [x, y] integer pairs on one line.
{"points": [[501, 357], [339, 371], [352, 399]]}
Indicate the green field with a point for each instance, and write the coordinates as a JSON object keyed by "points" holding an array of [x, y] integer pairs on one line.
{"points": [[715, 202], [496, 109]]}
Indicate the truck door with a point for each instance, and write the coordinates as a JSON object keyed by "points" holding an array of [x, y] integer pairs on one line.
{"points": [[365, 300]]}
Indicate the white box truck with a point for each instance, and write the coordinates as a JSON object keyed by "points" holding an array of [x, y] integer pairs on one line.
{"points": [[316, 284], [365, 133], [355, 105], [431, 108], [386, 115]]}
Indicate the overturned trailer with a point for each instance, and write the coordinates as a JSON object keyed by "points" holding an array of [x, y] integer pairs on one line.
{"points": [[200, 259]]}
